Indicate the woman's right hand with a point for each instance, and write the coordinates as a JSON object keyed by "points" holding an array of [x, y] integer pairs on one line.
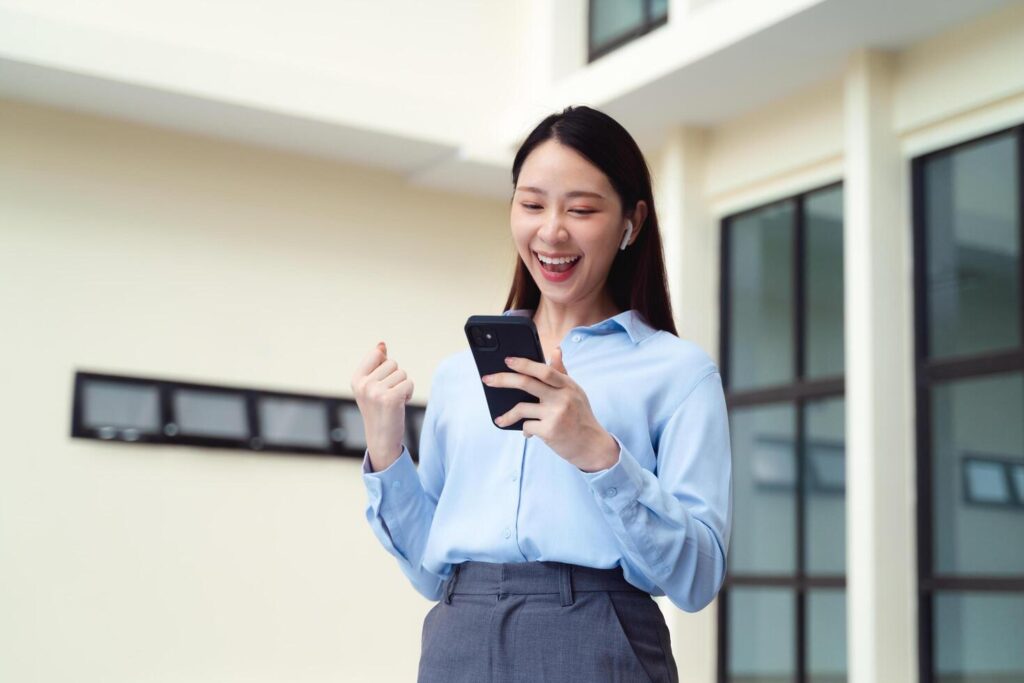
{"points": [[381, 390]]}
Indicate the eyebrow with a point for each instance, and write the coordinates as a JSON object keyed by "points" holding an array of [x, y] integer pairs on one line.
{"points": [[574, 193]]}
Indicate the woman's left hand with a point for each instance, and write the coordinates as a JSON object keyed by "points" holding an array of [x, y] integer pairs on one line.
{"points": [[563, 418]]}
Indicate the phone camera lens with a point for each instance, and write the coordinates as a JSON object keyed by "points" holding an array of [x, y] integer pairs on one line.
{"points": [[483, 337]]}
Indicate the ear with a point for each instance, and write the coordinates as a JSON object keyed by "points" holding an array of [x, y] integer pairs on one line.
{"points": [[638, 218]]}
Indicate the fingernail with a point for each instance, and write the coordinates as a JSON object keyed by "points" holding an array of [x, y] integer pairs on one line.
{"points": [[509, 360], [486, 379]]}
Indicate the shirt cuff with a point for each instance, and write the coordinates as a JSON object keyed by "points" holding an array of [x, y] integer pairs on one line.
{"points": [[397, 478], [618, 486]]}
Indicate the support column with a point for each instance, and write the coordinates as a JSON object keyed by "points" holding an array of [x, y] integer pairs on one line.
{"points": [[690, 240], [880, 499], [690, 236]]}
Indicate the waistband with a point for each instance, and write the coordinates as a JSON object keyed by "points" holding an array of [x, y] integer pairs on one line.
{"points": [[533, 578]]}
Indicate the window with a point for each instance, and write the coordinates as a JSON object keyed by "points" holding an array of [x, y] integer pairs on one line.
{"points": [[969, 323], [783, 605], [134, 409], [613, 23]]}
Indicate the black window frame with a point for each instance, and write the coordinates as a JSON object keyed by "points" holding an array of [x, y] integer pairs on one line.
{"points": [[929, 372], [795, 393], [171, 435], [596, 51]]}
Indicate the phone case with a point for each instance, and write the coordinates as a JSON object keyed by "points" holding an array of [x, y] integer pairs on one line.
{"points": [[511, 335]]}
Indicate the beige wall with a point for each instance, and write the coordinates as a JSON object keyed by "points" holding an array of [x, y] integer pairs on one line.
{"points": [[131, 250], [127, 249]]}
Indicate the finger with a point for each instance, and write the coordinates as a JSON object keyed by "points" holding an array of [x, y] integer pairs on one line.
{"points": [[403, 389], [532, 428], [519, 411], [515, 380], [541, 371], [383, 370], [371, 360], [556, 361], [394, 378]]}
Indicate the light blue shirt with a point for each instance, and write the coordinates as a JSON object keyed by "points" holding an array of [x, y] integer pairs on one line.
{"points": [[663, 511]]}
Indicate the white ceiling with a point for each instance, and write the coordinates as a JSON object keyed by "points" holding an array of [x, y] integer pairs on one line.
{"points": [[752, 70]]}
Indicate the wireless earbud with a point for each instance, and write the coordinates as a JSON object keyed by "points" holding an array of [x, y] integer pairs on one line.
{"points": [[629, 233]]}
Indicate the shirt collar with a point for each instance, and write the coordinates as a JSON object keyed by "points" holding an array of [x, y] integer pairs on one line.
{"points": [[630, 320]]}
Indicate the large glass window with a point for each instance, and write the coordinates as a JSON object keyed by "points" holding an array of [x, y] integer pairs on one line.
{"points": [[971, 217], [970, 404], [761, 297], [783, 605], [613, 23]]}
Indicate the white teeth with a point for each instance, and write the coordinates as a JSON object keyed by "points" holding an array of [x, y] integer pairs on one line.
{"points": [[567, 259]]}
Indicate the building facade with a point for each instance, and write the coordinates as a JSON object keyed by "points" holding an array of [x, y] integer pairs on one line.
{"points": [[840, 185]]}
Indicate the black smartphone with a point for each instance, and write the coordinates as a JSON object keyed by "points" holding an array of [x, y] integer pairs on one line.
{"points": [[492, 338]]}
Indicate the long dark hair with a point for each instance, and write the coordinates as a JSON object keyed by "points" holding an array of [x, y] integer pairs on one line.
{"points": [[637, 275]]}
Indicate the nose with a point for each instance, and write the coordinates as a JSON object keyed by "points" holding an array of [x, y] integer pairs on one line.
{"points": [[552, 231]]}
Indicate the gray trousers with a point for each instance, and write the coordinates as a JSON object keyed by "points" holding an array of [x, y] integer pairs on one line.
{"points": [[531, 622]]}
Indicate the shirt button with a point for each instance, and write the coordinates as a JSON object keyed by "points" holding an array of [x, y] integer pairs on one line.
{"points": [[611, 492], [508, 532], [576, 337], [515, 477], [395, 484]]}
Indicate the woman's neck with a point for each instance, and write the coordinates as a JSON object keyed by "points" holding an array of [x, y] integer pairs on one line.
{"points": [[554, 320]]}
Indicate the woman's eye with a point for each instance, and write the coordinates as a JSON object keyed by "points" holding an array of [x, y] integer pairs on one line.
{"points": [[581, 212]]}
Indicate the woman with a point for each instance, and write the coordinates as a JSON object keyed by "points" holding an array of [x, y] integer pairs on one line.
{"points": [[547, 551]]}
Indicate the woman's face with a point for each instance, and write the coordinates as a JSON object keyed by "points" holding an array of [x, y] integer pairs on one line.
{"points": [[563, 205]]}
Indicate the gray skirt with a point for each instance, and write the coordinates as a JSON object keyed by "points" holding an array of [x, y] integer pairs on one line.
{"points": [[530, 622]]}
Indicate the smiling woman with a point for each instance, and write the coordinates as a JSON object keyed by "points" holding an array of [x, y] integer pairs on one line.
{"points": [[580, 187], [547, 551]]}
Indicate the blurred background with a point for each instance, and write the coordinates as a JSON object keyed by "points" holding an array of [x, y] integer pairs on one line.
{"points": [[239, 199]]}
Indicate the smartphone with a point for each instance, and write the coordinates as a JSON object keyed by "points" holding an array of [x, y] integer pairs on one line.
{"points": [[492, 338]]}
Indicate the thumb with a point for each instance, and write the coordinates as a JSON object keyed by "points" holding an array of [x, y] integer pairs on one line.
{"points": [[556, 360]]}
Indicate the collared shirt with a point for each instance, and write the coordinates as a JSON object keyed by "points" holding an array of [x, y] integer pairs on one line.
{"points": [[663, 511]]}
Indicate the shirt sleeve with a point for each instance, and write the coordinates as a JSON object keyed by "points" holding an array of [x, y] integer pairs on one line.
{"points": [[673, 525], [402, 499]]}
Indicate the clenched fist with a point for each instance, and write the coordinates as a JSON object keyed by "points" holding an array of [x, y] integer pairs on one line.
{"points": [[381, 390]]}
